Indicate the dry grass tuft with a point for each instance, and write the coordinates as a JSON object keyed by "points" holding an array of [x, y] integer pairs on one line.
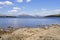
{"points": [[47, 33]]}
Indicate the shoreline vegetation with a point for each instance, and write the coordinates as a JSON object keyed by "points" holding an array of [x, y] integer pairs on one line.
{"points": [[51, 32]]}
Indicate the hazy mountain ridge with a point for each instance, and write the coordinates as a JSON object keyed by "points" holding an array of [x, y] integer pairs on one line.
{"points": [[20, 16]]}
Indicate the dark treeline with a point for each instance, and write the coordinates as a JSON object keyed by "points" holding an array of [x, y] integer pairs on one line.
{"points": [[57, 15], [7, 16]]}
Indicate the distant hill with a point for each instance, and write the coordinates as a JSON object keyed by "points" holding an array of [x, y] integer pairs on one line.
{"points": [[56, 15]]}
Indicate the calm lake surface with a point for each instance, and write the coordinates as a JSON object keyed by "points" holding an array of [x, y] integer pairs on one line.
{"points": [[27, 22]]}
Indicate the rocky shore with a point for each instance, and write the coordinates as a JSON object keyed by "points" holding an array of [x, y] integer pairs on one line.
{"points": [[43, 33]]}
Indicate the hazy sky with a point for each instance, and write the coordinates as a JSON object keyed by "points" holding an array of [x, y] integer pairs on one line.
{"points": [[31, 7]]}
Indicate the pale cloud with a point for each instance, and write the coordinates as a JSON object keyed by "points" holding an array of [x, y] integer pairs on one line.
{"points": [[20, 1], [44, 9], [50, 12], [45, 12], [15, 9], [6, 3], [1, 3], [1, 7], [36, 12], [28, 1], [57, 10]]}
